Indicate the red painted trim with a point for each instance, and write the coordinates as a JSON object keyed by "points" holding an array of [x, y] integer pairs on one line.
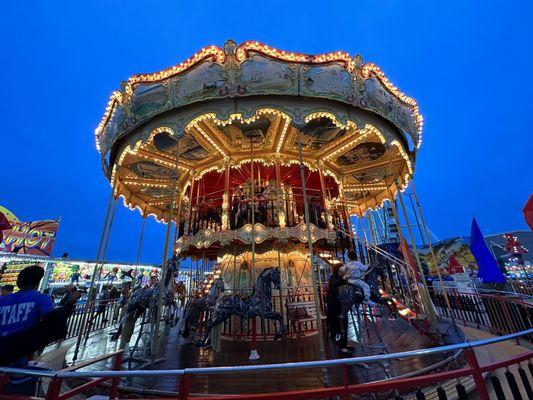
{"points": [[82, 388], [509, 361]]}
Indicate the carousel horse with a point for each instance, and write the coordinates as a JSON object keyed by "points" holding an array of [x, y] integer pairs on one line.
{"points": [[353, 296], [146, 298], [259, 303], [195, 306]]}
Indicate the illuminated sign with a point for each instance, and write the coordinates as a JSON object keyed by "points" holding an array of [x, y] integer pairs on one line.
{"points": [[36, 238]]}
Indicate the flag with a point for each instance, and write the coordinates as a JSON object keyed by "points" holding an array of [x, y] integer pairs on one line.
{"points": [[488, 271], [528, 212], [454, 266], [408, 257]]}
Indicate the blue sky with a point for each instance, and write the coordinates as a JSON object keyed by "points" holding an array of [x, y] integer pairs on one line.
{"points": [[468, 64]]}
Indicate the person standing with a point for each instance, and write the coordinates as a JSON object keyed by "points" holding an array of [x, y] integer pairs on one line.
{"points": [[334, 310], [26, 307]]}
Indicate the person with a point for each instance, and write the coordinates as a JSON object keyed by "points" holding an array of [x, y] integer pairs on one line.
{"points": [[28, 323], [26, 307], [6, 289], [334, 309], [103, 300], [355, 271]]}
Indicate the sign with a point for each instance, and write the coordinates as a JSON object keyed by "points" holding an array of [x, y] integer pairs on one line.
{"points": [[36, 238]]}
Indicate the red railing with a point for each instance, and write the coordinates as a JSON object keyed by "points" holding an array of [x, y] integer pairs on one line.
{"points": [[500, 314], [56, 383], [425, 384]]}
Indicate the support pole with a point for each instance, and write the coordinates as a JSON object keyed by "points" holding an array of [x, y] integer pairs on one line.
{"points": [[311, 258], [81, 333], [434, 258], [155, 337], [254, 355], [430, 310], [402, 244], [139, 249], [226, 203]]}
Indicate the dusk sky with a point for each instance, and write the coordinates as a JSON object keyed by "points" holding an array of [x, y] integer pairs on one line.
{"points": [[468, 64]]}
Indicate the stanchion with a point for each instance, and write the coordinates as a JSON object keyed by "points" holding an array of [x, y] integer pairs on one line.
{"points": [[155, 338], [312, 261], [105, 234]]}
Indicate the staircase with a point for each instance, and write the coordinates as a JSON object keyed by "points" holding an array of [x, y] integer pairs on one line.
{"points": [[205, 286], [419, 321]]}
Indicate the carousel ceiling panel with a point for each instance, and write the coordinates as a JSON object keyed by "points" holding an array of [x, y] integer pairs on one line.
{"points": [[373, 175], [364, 152], [239, 134], [191, 150], [319, 132], [151, 170], [156, 193]]}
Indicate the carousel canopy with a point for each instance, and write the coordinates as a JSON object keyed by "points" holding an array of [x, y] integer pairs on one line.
{"points": [[225, 106]]}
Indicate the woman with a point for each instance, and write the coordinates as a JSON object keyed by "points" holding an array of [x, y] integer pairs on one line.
{"points": [[334, 309]]}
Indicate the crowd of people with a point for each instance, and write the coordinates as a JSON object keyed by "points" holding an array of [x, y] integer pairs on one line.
{"points": [[30, 319]]}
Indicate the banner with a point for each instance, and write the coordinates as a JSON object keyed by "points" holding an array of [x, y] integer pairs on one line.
{"points": [[36, 238]]}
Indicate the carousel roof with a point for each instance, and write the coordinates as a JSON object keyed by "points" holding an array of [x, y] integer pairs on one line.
{"points": [[353, 123]]}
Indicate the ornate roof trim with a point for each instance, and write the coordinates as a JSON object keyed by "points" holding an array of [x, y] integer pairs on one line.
{"points": [[242, 52]]}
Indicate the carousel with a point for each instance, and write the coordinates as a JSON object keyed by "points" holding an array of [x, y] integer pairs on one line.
{"points": [[263, 162]]}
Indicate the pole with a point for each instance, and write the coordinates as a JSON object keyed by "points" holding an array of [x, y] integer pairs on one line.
{"points": [[311, 258], [155, 338], [402, 244], [91, 286], [254, 355], [416, 219], [434, 258], [430, 311], [139, 250]]}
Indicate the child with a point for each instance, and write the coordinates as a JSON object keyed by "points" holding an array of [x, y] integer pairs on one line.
{"points": [[354, 271]]}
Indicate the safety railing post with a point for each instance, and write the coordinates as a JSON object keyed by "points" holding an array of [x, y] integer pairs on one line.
{"points": [[114, 382], [508, 319], [54, 389], [4, 379], [477, 375], [344, 376], [185, 386]]}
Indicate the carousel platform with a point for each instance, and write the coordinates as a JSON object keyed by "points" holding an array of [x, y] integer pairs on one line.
{"points": [[383, 336]]}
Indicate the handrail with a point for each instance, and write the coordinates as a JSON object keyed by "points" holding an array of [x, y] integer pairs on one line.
{"points": [[277, 366]]}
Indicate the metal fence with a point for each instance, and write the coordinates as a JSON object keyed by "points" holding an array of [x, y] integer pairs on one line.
{"points": [[424, 386], [499, 313]]}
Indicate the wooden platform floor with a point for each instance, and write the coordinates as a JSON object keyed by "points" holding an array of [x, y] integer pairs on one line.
{"points": [[396, 336]]}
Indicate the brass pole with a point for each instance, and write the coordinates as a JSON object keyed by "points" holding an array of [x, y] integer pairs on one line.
{"points": [[253, 353], [253, 209], [434, 258], [430, 311], [191, 197], [155, 337], [226, 203], [139, 249], [310, 248], [83, 323], [402, 243], [325, 200]]}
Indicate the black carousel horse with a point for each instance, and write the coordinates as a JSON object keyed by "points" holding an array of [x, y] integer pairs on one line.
{"points": [[259, 303], [195, 306], [146, 298], [353, 296]]}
